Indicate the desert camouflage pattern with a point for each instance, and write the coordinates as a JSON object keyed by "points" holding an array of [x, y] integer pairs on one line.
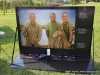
{"points": [[59, 41], [64, 43], [34, 34], [55, 41]]}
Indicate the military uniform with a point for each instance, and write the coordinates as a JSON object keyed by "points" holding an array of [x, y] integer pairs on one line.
{"points": [[65, 28], [57, 40], [52, 28], [34, 33]]}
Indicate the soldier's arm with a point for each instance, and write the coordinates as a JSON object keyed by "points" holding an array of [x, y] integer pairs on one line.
{"points": [[58, 26], [47, 30], [70, 39], [39, 34], [47, 33], [24, 31], [71, 32], [71, 35]]}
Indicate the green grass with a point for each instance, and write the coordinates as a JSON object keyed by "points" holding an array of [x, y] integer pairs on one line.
{"points": [[8, 25]]}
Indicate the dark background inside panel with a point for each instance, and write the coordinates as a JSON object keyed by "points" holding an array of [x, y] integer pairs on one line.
{"points": [[68, 52], [87, 17], [81, 53], [31, 50]]}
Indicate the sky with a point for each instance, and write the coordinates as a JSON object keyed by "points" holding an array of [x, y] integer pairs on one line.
{"points": [[42, 18]]}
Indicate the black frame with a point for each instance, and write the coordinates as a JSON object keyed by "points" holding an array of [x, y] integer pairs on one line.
{"points": [[75, 52]]}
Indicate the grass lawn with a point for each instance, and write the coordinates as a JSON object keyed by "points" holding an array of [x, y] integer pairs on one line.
{"points": [[8, 25]]}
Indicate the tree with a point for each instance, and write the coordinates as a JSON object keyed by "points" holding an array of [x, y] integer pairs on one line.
{"points": [[1, 5], [31, 3], [4, 7], [76, 1]]}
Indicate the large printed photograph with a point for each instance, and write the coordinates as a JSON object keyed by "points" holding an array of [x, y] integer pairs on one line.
{"points": [[47, 28]]}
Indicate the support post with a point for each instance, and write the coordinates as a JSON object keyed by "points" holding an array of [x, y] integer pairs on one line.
{"points": [[14, 46]]}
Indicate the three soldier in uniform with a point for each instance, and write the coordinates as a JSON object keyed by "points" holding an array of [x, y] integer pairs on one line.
{"points": [[59, 34]]}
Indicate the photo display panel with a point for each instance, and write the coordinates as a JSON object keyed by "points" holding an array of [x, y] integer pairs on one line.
{"points": [[64, 30]]}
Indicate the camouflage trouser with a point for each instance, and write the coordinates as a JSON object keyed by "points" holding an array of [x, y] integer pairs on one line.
{"points": [[64, 43], [29, 44], [54, 43]]}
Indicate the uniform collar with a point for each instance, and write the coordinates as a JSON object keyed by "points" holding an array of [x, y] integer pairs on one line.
{"points": [[65, 23], [54, 21], [33, 24]]}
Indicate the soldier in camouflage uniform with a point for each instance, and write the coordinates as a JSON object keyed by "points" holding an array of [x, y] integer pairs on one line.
{"points": [[67, 31], [51, 28], [32, 32]]}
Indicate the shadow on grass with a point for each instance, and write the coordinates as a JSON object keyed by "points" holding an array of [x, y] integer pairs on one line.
{"points": [[8, 37], [5, 69]]}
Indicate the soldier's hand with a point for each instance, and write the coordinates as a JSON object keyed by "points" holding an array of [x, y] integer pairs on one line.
{"points": [[26, 38], [68, 45], [59, 33]]}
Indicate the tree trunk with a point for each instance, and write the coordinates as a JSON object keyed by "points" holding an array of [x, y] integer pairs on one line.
{"points": [[4, 7]]}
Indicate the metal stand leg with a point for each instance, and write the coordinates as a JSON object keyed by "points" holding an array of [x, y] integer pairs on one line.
{"points": [[0, 49], [14, 46], [93, 49], [0, 52]]}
